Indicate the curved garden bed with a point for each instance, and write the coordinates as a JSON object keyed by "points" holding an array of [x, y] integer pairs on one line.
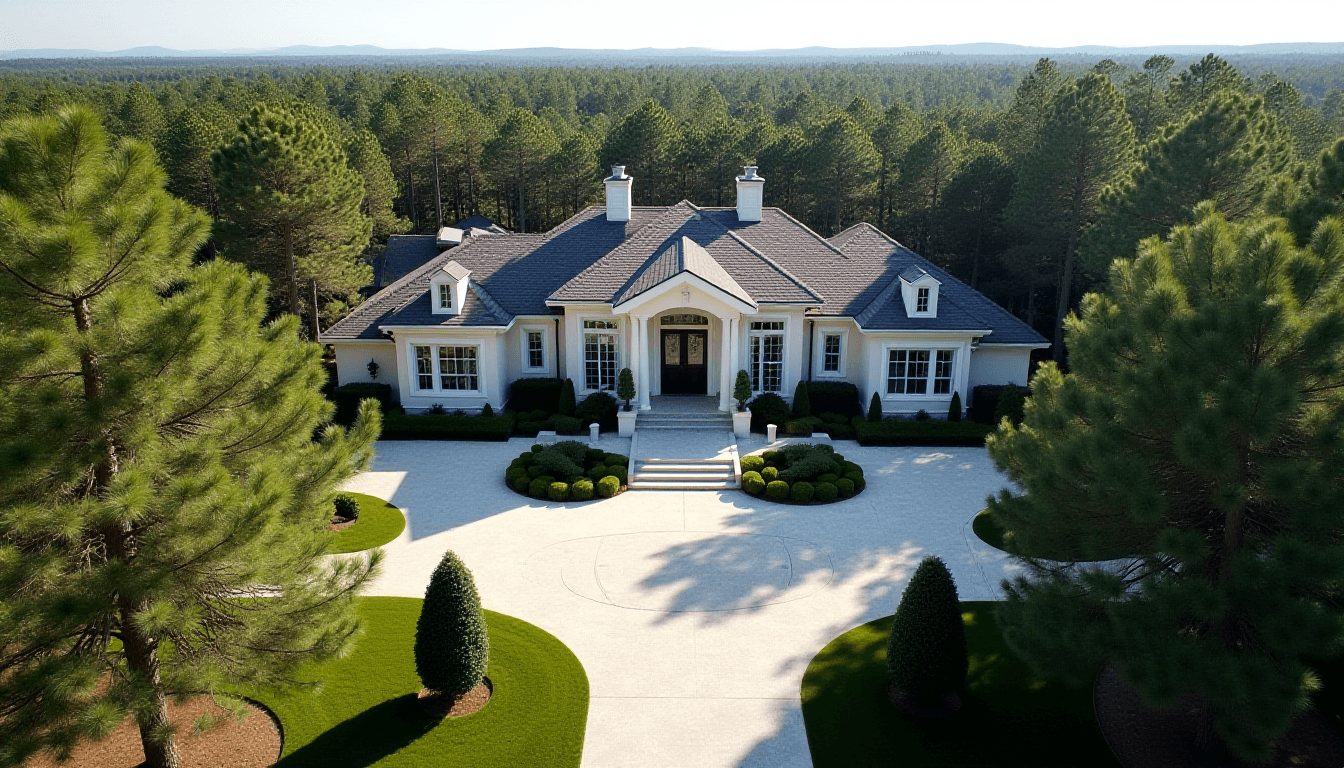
{"points": [[1010, 716], [366, 711], [378, 523], [568, 471], [989, 531], [801, 473]]}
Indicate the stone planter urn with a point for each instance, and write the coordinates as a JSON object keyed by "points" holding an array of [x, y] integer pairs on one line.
{"points": [[741, 423], [625, 422]]}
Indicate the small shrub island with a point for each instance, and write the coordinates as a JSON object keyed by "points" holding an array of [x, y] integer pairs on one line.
{"points": [[567, 471], [802, 473]]}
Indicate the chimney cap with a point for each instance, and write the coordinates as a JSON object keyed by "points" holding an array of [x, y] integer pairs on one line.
{"points": [[618, 173], [749, 174]]}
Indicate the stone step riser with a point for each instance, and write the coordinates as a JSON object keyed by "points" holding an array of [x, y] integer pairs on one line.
{"points": [[716, 467], [706, 477], [670, 485], [691, 427]]}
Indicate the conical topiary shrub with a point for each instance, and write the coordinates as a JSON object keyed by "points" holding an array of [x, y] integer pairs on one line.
{"points": [[451, 644], [802, 402], [875, 408], [567, 405], [954, 408], [927, 651]]}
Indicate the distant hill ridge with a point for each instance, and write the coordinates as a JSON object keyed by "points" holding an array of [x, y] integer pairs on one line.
{"points": [[608, 55]]}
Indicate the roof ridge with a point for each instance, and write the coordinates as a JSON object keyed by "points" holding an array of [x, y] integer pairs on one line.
{"points": [[639, 236], [808, 230], [761, 255]]}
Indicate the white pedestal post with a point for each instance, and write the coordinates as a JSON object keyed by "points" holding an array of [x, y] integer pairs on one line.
{"points": [[770, 433]]}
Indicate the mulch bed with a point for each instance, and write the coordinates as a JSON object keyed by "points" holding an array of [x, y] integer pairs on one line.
{"points": [[1143, 737], [335, 526], [436, 705], [252, 742]]}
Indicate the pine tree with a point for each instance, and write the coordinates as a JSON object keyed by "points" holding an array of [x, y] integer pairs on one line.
{"points": [[1323, 196], [1086, 145], [517, 159], [1228, 153], [1201, 81], [452, 646], [575, 174], [926, 170], [646, 142], [1146, 96], [159, 456], [926, 654], [291, 209], [1031, 108], [892, 137], [840, 171], [1199, 431], [365, 156], [971, 217], [187, 145], [142, 116]]}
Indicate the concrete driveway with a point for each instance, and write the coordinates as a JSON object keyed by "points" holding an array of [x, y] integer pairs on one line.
{"points": [[694, 613]]}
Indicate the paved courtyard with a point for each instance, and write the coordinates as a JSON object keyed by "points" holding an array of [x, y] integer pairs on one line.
{"points": [[694, 613]]}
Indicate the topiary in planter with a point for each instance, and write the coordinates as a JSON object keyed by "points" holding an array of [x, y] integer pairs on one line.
{"points": [[777, 489], [801, 491], [582, 490], [452, 648], [753, 483], [608, 487], [752, 463], [770, 474], [926, 655], [826, 492], [558, 491], [845, 486], [742, 390]]}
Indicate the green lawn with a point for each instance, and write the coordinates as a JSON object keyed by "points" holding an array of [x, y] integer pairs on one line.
{"points": [[1011, 717], [987, 529], [379, 522], [365, 712]]}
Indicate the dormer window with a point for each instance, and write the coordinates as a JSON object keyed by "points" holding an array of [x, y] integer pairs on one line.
{"points": [[922, 300], [448, 289], [919, 291]]}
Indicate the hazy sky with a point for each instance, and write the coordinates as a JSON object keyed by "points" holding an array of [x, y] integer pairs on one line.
{"points": [[724, 24]]}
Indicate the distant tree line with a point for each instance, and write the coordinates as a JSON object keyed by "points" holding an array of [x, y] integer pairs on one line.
{"points": [[1023, 181]]}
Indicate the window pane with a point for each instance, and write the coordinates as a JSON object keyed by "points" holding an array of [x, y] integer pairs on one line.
{"points": [[600, 360], [942, 374], [424, 368], [922, 300], [767, 326], [755, 342], [896, 360], [685, 320], [445, 296], [536, 353], [831, 354], [600, 324], [772, 362], [695, 349], [457, 368], [917, 372], [672, 349]]}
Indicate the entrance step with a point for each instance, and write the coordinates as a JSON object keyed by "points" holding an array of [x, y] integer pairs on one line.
{"points": [[654, 420], [683, 475]]}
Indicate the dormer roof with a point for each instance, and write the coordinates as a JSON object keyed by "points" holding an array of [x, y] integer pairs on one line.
{"points": [[456, 271]]}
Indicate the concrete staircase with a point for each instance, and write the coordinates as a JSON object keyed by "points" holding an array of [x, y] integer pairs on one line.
{"points": [[683, 474], [715, 420]]}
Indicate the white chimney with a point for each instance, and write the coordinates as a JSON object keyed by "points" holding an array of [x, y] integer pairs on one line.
{"points": [[750, 194], [618, 194]]}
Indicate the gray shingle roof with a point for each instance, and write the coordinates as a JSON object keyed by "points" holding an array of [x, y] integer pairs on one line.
{"points": [[774, 260], [455, 270], [684, 255], [404, 254]]}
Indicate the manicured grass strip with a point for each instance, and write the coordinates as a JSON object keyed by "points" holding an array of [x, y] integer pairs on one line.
{"points": [[365, 712], [1011, 716], [987, 529], [379, 522]]}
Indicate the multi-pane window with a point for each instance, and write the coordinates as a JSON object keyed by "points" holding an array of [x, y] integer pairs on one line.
{"points": [[601, 358], [909, 371], [457, 368], [922, 300], [445, 295], [536, 349], [685, 320], [765, 341], [942, 372], [424, 368], [830, 353]]}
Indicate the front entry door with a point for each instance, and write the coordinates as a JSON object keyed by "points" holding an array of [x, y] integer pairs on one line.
{"points": [[684, 370]]}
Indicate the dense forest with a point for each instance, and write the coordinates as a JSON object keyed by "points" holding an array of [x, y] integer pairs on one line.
{"points": [[1022, 178]]}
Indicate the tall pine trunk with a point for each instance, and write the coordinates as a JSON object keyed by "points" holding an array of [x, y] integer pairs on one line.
{"points": [[141, 652], [292, 273], [1066, 280]]}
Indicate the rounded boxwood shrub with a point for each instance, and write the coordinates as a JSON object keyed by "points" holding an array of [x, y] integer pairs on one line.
{"points": [[608, 486], [770, 474], [558, 491], [619, 473], [522, 484], [597, 473], [535, 471], [769, 408], [452, 647], [801, 491], [926, 654], [538, 448], [772, 457], [777, 489], [845, 486], [826, 492], [752, 463], [850, 468], [598, 407], [753, 483], [539, 487], [829, 477], [616, 460], [582, 490], [857, 480], [596, 455]]}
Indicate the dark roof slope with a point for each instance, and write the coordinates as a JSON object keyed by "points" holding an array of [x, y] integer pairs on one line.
{"points": [[404, 254]]}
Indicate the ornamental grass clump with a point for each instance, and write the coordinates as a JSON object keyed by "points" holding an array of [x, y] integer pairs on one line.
{"points": [[452, 648], [927, 655]]}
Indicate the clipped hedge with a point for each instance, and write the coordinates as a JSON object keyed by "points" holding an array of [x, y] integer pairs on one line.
{"points": [[839, 397], [801, 473], [769, 408], [400, 426], [348, 396], [930, 433], [526, 395]]}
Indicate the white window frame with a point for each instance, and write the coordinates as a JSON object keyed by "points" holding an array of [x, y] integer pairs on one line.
{"points": [[446, 290], [437, 369], [758, 375], [528, 330], [839, 372], [923, 295], [931, 377], [617, 332]]}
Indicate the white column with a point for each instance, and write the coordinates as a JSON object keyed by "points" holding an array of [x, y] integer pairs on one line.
{"points": [[725, 364], [632, 323], [735, 356], [642, 324]]}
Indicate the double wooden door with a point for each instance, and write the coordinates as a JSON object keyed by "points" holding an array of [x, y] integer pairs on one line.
{"points": [[684, 362]]}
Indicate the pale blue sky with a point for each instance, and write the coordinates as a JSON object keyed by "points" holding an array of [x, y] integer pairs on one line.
{"points": [[723, 24]]}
